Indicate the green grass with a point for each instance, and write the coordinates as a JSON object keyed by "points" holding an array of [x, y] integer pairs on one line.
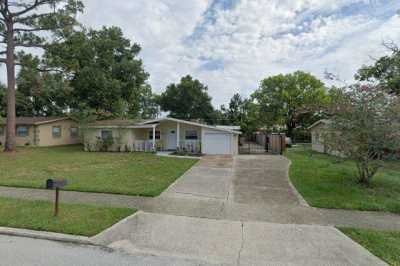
{"points": [[72, 219], [327, 182], [385, 245], [141, 174]]}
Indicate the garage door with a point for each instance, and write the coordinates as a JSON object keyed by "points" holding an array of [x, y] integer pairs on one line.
{"points": [[217, 143]]}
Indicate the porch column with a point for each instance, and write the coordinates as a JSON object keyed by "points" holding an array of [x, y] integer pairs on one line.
{"points": [[154, 137], [178, 128]]}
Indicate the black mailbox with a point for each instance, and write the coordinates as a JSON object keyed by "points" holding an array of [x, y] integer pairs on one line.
{"points": [[52, 183], [56, 184], [49, 184]]}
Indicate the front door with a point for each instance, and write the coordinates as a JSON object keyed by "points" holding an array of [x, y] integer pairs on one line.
{"points": [[171, 140]]}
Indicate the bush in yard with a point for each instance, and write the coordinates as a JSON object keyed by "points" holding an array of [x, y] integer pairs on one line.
{"points": [[365, 127], [104, 144]]}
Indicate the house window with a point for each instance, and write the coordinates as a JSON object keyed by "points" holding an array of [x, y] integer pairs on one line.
{"points": [[1, 131], [56, 132], [158, 134], [22, 131], [106, 134], [191, 134], [74, 132]]}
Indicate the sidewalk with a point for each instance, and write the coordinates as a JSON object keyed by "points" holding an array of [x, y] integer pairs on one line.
{"points": [[220, 209]]}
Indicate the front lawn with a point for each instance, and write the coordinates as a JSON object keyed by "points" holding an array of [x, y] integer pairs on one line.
{"points": [[141, 174], [72, 219], [327, 182], [385, 245]]}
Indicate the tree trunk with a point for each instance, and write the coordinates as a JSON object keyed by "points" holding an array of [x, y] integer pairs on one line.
{"points": [[290, 125], [11, 117]]}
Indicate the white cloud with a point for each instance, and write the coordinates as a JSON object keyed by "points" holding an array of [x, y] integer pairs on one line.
{"points": [[231, 49]]}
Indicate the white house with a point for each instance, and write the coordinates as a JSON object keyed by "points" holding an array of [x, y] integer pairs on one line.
{"points": [[161, 134]]}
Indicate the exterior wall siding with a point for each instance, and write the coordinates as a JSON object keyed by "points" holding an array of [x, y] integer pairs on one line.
{"points": [[131, 139], [317, 138], [42, 135], [20, 141], [28, 140], [45, 137], [123, 139]]}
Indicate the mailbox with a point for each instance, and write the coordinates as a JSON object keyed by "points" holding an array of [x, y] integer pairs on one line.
{"points": [[56, 184]]}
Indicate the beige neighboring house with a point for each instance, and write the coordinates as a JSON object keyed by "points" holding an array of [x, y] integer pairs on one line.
{"points": [[317, 135], [44, 131], [163, 134]]}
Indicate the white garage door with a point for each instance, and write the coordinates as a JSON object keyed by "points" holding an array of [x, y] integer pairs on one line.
{"points": [[217, 143]]}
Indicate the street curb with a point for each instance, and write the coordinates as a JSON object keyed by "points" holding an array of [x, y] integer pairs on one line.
{"points": [[81, 240], [100, 238]]}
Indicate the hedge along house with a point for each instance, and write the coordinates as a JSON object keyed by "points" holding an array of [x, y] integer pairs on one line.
{"points": [[44, 131], [164, 134]]}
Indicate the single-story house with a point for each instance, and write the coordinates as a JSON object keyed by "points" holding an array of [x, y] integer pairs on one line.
{"points": [[165, 134], [43, 131], [318, 129]]}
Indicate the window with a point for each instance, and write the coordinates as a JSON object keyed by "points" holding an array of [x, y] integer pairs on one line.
{"points": [[158, 134], [106, 134], [1, 131], [56, 132], [191, 134], [22, 131], [74, 132]]}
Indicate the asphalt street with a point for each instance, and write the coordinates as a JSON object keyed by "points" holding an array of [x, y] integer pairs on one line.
{"points": [[27, 251]]}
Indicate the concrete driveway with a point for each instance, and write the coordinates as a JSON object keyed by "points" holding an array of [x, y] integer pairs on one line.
{"points": [[232, 193], [224, 242], [262, 180], [210, 178]]}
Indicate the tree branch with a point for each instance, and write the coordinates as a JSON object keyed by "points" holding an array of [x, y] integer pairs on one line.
{"points": [[31, 30], [32, 7], [30, 45], [31, 17]]}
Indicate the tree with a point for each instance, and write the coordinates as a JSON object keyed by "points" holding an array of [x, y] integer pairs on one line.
{"points": [[102, 70], [98, 70], [40, 93], [235, 112], [250, 117], [241, 112], [385, 71], [24, 24], [284, 99], [3, 100], [187, 100], [365, 127]]}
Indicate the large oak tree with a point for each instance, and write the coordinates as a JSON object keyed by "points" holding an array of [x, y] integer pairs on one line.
{"points": [[30, 24], [187, 100], [284, 100]]}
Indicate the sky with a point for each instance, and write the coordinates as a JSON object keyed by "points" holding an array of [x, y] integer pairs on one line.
{"points": [[231, 45]]}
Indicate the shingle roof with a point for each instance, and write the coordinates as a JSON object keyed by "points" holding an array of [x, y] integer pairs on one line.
{"points": [[34, 120], [114, 122]]}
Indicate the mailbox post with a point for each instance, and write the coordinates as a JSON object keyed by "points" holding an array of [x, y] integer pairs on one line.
{"points": [[56, 184]]}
